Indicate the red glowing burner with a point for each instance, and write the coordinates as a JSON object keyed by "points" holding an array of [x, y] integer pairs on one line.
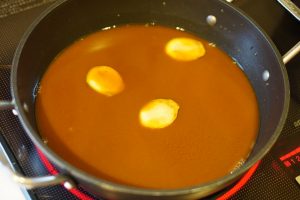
{"points": [[292, 158], [82, 196]]}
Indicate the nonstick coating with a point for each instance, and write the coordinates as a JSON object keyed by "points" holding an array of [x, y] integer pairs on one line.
{"points": [[236, 34]]}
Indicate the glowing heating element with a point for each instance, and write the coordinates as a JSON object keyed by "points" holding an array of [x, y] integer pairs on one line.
{"points": [[51, 169], [82, 196], [242, 182], [291, 158]]}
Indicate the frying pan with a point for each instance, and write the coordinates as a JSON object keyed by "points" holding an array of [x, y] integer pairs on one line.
{"points": [[228, 27]]}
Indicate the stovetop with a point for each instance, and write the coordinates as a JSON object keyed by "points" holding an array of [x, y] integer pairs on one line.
{"points": [[272, 178]]}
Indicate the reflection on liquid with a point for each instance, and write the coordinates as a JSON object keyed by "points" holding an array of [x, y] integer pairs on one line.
{"points": [[159, 113], [185, 49], [105, 80]]}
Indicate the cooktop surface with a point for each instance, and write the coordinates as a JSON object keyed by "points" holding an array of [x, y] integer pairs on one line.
{"points": [[276, 176]]}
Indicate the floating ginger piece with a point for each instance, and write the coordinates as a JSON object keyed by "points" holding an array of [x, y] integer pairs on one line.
{"points": [[159, 113], [185, 49], [105, 80]]}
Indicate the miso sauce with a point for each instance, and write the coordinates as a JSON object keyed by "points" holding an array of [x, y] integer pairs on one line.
{"points": [[215, 125]]}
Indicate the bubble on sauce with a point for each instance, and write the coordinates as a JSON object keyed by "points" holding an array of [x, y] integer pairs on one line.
{"points": [[179, 28], [211, 44], [150, 24], [238, 165], [105, 80], [184, 49], [106, 28], [158, 113], [45, 140]]}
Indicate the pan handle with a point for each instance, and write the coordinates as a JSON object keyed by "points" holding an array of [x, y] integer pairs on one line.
{"points": [[7, 105], [295, 11], [28, 182], [32, 182], [291, 7], [291, 53], [35, 182]]}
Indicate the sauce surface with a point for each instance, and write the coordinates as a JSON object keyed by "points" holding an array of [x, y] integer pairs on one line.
{"points": [[215, 128]]}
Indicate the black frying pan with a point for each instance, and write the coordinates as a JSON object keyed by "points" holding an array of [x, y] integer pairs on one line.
{"points": [[235, 33]]}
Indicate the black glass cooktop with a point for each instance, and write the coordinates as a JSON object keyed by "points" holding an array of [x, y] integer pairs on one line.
{"points": [[274, 177]]}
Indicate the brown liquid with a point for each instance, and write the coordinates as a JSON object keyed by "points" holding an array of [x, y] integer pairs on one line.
{"points": [[216, 126]]}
